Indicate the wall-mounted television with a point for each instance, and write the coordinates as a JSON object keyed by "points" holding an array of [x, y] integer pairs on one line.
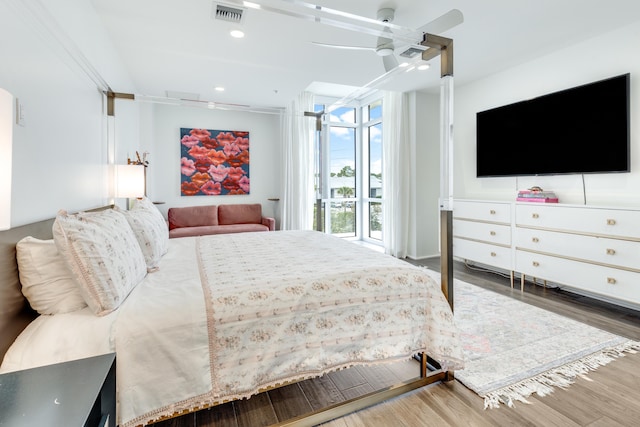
{"points": [[584, 129]]}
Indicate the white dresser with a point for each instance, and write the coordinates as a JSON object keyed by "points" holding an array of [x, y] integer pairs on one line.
{"points": [[594, 250], [482, 233]]}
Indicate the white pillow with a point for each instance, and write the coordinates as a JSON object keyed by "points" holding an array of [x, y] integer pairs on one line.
{"points": [[102, 254], [150, 229], [46, 280]]}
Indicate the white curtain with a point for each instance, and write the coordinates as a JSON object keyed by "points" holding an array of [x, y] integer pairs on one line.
{"points": [[396, 173], [297, 149]]}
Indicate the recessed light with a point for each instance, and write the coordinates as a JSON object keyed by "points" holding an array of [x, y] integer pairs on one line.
{"points": [[403, 64], [238, 34], [219, 89], [251, 5], [423, 67]]}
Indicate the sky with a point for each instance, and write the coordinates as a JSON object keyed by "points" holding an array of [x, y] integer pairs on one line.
{"points": [[342, 140]]}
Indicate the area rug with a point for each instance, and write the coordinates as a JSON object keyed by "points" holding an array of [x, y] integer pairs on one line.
{"points": [[513, 349]]}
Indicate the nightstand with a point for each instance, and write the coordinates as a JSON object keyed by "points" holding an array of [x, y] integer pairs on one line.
{"points": [[77, 393]]}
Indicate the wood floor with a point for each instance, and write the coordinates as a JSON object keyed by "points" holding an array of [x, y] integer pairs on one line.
{"points": [[610, 396]]}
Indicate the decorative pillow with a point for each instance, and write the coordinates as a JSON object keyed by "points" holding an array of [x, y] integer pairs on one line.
{"points": [[150, 229], [103, 255], [46, 280]]}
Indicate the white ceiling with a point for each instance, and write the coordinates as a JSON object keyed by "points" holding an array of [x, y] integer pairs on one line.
{"points": [[175, 45]]}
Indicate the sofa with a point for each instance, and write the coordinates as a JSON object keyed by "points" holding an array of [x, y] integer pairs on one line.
{"points": [[220, 219]]}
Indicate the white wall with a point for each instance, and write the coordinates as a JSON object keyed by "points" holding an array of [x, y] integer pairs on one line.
{"points": [[163, 122], [606, 56], [60, 155]]}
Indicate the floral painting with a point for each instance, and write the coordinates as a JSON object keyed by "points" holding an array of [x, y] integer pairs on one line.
{"points": [[213, 162]]}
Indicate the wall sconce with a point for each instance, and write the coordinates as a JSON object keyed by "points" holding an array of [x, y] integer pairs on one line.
{"points": [[129, 181], [6, 142], [141, 161]]}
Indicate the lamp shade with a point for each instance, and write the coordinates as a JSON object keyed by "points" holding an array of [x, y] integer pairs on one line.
{"points": [[129, 181], [6, 141]]}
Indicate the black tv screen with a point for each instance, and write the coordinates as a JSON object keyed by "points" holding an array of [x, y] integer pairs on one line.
{"points": [[584, 129]]}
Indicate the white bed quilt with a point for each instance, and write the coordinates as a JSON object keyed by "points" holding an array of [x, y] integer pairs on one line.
{"points": [[228, 315]]}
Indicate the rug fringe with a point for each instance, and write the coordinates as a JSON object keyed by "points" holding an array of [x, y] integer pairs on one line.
{"points": [[562, 376]]}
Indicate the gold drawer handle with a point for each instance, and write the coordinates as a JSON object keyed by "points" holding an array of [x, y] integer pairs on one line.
{"points": [[492, 212], [611, 251], [611, 280], [536, 264], [611, 222], [535, 215], [535, 240], [493, 233], [493, 254]]}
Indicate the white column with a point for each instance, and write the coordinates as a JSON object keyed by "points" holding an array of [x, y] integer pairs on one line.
{"points": [[446, 143]]}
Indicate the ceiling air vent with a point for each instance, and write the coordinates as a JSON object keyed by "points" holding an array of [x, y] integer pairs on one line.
{"points": [[412, 52], [227, 13]]}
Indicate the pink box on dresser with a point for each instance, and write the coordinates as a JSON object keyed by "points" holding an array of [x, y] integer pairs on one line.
{"points": [[538, 199]]}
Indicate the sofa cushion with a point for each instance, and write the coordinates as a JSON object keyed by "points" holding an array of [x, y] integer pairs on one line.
{"points": [[239, 228], [240, 214], [205, 230], [200, 230], [192, 216]]}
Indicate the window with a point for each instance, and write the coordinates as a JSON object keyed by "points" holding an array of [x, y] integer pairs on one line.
{"points": [[373, 144], [349, 172]]}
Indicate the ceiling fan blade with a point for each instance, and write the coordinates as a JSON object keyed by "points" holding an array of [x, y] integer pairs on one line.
{"points": [[390, 62], [443, 23], [340, 46]]}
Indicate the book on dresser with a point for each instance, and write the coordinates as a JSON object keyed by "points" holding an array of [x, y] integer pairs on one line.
{"points": [[537, 195]]}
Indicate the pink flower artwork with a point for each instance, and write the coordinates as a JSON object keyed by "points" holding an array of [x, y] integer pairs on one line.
{"points": [[214, 162]]}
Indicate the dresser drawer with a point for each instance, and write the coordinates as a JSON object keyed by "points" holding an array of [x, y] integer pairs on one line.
{"points": [[483, 231], [482, 211], [601, 250], [484, 253], [609, 282], [595, 221]]}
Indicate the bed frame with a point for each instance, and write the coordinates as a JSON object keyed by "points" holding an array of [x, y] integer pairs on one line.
{"points": [[16, 314]]}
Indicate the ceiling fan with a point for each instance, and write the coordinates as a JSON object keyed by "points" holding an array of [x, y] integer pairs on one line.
{"points": [[403, 41], [392, 39]]}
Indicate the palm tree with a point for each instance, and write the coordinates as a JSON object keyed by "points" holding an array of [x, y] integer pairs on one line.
{"points": [[345, 191]]}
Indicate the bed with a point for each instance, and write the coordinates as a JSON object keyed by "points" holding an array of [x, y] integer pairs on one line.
{"points": [[223, 317]]}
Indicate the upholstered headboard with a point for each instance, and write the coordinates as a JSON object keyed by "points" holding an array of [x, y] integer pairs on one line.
{"points": [[15, 312]]}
